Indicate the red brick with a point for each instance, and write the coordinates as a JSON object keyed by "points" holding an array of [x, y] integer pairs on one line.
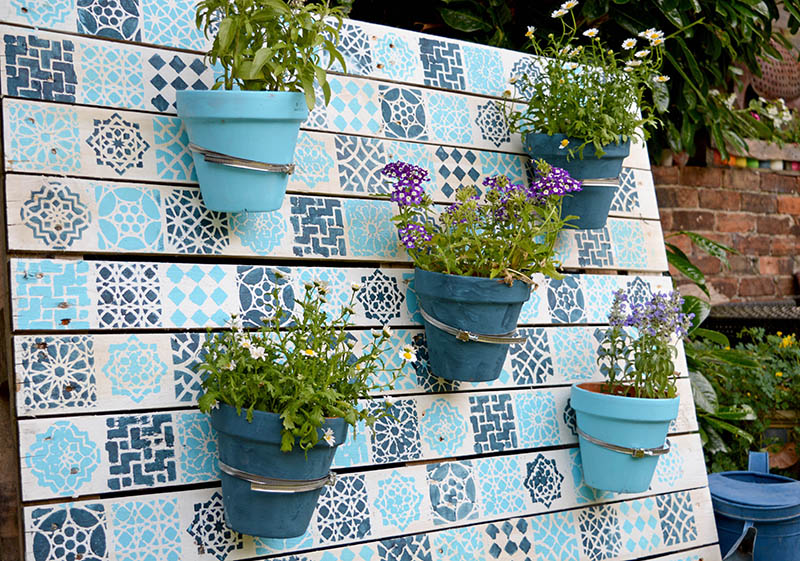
{"points": [[684, 243], [789, 204], [666, 175], [741, 264], [676, 197], [726, 286], [709, 265], [666, 218], [701, 176], [778, 183], [784, 286], [742, 179], [775, 225], [752, 245], [769, 265], [692, 220], [734, 222], [756, 286], [759, 202], [784, 245], [719, 199]]}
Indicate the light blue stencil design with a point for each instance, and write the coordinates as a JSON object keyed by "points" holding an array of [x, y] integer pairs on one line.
{"points": [[442, 427], [640, 525], [56, 215], [574, 355], [492, 124], [338, 289], [670, 467], [393, 56], [458, 544], [134, 369], [565, 300], [450, 118], [355, 450], [51, 295], [598, 289], [111, 76], [555, 536], [484, 70], [353, 106], [583, 492], [356, 50], [69, 532], [360, 161], [118, 144], [43, 138], [600, 535], [266, 546], [530, 309], [343, 511], [537, 421], [420, 154], [392, 360], [209, 529], [57, 372], [403, 112], [199, 293], [129, 218], [147, 530], [43, 13], [398, 501], [198, 453], [171, 145], [677, 518], [187, 352], [171, 23], [63, 458], [314, 164], [499, 163], [191, 227], [371, 232], [262, 232], [628, 239], [451, 487], [543, 480], [500, 480]]}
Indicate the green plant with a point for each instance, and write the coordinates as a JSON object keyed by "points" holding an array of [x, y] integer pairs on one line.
{"points": [[271, 45], [302, 368], [510, 232]]}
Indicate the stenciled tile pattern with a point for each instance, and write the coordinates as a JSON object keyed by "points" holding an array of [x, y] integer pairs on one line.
{"points": [[555, 536], [543, 480], [677, 518], [134, 369], [39, 68], [111, 76], [395, 57], [492, 419], [115, 19], [403, 111], [51, 294], [600, 533], [398, 500], [129, 218], [208, 529], [395, 437], [69, 532], [147, 530], [452, 491], [140, 450], [63, 458], [118, 143], [343, 511], [442, 64], [56, 215], [509, 540], [170, 73], [45, 137], [129, 294]]}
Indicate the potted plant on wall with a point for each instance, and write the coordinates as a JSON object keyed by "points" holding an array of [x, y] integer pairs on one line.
{"points": [[623, 423], [281, 399], [583, 106], [474, 260], [243, 132]]}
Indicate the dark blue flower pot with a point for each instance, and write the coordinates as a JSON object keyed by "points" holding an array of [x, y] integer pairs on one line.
{"points": [[591, 205], [609, 165], [480, 305], [625, 421], [257, 126], [255, 448]]}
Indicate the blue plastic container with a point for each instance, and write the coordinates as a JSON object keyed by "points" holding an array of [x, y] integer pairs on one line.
{"points": [[256, 126], [255, 448], [591, 205], [625, 421], [759, 502], [540, 145], [480, 305]]}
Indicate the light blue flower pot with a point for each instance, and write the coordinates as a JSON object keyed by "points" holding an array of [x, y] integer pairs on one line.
{"points": [[609, 165], [255, 448], [257, 126], [480, 305], [625, 421]]}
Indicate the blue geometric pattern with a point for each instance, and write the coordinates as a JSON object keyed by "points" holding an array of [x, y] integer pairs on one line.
{"points": [[598, 289], [69, 533], [355, 450], [395, 436], [638, 291], [187, 352], [318, 227], [56, 215], [141, 450], [554, 536], [173, 157], [45, 138], [260, 231], [111, 77], [208, 529], [360, 160], [147, 530], [191, 227], [484, 70], [626, 198], [441, 64], [57, 372], [52, 295], [492, 418], [629, 243], [509, 540], [594, 248], [355, 49], [543, 480], [171, 23], [442, 427], [118, 144], [40, 68], [314, 164], [600, 535], [398, 500], [198, 442], [115, 19], [531, 309], [175, 74], [527, 67], [343, 510], [500, 163], [670, 466], [565, 299], [677, 518], [63, 458], [500, 479], [574, 354], [134, 369], [531, 362], [380, 297], [408, 548], [450, 119], [640, 525], [451, 487], [266, 546], [339, 290], [370, 231], [195, 292], [255, 293], [537, 419], [457, 167], [403, 112], [458, 544], [570, 418], [492, 124], [128, 294], [353, 107], [129, 218], [43, 13], [393, 56]]}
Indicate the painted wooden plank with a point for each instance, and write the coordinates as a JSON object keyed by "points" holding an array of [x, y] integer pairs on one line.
{"points": [[90, 216], [709, 553], [76, 294], [188, 525], [58, 374], [64, 457]]}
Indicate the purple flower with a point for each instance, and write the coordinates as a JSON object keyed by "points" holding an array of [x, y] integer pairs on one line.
{"points": [[413, 236], [556, 183], [407, 189]]}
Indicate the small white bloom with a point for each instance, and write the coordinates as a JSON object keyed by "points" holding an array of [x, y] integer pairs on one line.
{"points": [[569, 4], [559, 13], [350, 343], [564, 143], [630, 63], [772, 111], [661, 79], [656, 42], [530, 31], [356, 286], [245, 342], [730, 100], [762, 100], [564, 51], [258, 353], [328, 437], [572, 65], [628, 44], [627, 69], [591, 32], [713, 91], [309, 352], [232, 365], [215, 405], [376, 332], [387, 331], [408, 355], [641, 54], [389, 401]]}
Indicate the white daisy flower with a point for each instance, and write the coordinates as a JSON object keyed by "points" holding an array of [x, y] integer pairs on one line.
{"points": [[308, 352], [713, 91], [387, 331], [356, 286], [591, 32], [572, 65], [569, 4], [389, 401], [564, 143], [628, 44], [530, 31], [408, 355], [633, 63], [328, 437], [657, 41], [661, 79], [215, 405], [559, 13], [258, 353], [641, 54], [231, 365], [244, 342]]}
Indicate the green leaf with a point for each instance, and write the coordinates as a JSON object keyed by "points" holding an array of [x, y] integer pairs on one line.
{"points": [[715, 443], [700, 309], [661, 96], [705, 396], [464, 21], [260, 59], [711, 335], [741, 412], [736, 358], [713, 248], [225, 33], [722, 425], [678, 259]]}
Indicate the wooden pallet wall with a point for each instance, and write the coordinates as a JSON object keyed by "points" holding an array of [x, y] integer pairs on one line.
{"points": [[117, 269]]}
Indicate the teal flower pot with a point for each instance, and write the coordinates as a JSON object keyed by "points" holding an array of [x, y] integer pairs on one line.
{"points": [[255, 448], [255, 126], [479, 305], [625, 421], [540, 145], [591, 205]]}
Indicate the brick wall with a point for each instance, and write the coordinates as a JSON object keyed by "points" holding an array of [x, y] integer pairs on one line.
{"points": [[754, 211]]}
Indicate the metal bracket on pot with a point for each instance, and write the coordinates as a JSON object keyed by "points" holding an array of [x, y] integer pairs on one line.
{"points": [[635, 452], [232, 161], [263, 484], [509, 338]]}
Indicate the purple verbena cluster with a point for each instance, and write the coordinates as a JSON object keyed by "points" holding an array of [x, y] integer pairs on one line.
{"points": [[661, 315], [558, 182], [501, 191], [413, 236], [407, 187]]}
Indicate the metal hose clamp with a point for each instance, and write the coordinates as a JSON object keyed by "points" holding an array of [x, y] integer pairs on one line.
{"points": [[635, 452], [263, 484], [509, 338], [234, 162]]}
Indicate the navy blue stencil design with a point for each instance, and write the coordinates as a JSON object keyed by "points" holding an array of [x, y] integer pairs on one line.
{"points": [[209, 531], [403, 112], [638, 291], [600, 535], [40, 68], [356, 49], [570, 419], [524, 67], [408, 548], [626, 198], [531, 362], [510, 541], [395, 437], [141, 450], [187, 352], [451, 487], [128, 295], [422, 368], [255, 293], [360, 160], [380, 297], [174, 74], [677, 518], [58, 372], [594, 248], [116, 19], [565, 299], [492, 419], [118, 144], [543, 480], [456, 168], [318, 227], [442, 64], [191, 227], [69, 533], [343, 510]]}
